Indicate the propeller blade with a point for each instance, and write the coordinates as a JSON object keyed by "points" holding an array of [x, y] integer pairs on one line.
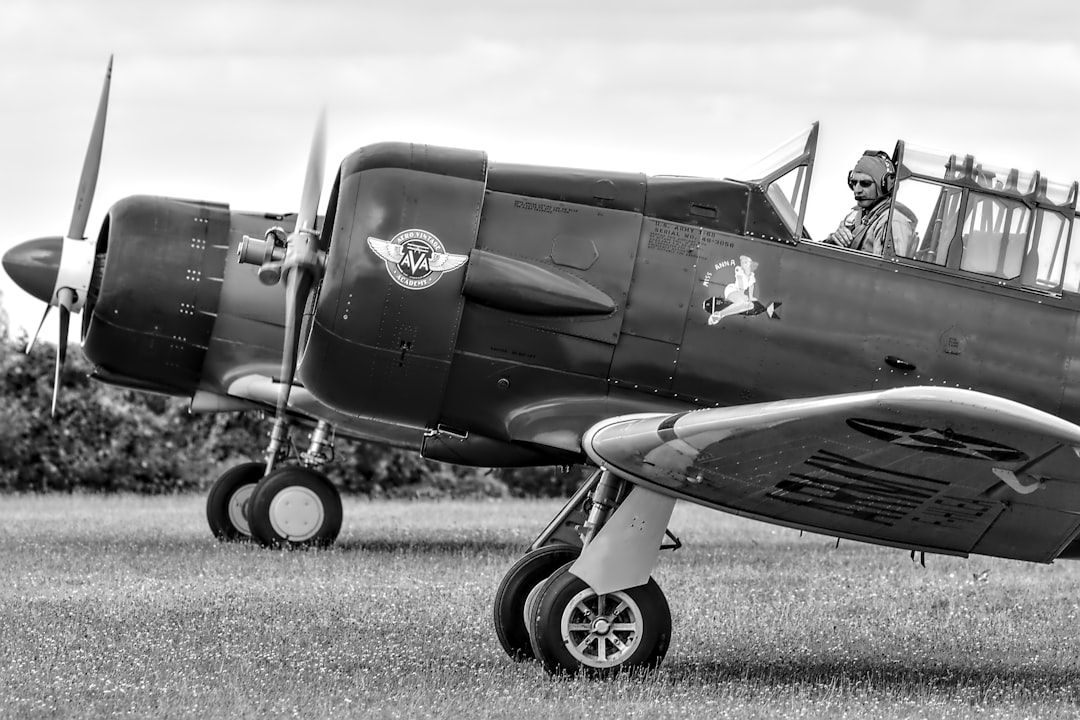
{"points": [[30, 345], [88, 179], [297, 287], [301, 265], [65, 299], [61, 355], [309, 201]]}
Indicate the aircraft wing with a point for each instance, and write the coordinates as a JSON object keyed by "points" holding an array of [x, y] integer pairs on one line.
{"points": [[930, 468]]}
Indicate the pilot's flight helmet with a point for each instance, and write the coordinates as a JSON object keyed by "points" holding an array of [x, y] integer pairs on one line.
{"points": [[878, 165]]}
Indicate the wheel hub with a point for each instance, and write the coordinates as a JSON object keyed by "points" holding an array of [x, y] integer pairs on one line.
{"points": [[296, 513], [602, 631], [237, 508]]}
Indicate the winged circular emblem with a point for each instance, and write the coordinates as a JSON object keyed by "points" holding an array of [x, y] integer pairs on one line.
{"points": [[415, 259]]}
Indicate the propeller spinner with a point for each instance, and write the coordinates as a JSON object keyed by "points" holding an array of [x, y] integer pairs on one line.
{"points": [[298, 260], [57, 270]]}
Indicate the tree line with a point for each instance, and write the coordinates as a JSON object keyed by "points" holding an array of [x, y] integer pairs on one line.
{"points": [[106, 439]]}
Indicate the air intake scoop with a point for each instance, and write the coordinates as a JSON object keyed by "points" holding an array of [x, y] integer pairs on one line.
{"points": [[527, 288]]}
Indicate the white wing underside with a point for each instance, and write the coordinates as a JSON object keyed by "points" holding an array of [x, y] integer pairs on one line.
{"points": [[939, 469]]}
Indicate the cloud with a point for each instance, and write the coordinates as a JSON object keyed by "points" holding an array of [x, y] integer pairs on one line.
{"points": [[217, 100]]}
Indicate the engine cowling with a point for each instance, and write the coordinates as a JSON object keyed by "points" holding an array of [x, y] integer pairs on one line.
{"points": [[154, 292], [403, 220]]}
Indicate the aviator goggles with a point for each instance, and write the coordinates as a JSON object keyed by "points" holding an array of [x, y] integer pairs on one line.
{"points": [[863, 183]]}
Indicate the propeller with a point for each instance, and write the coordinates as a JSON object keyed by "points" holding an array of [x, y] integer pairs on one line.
{"points": [[303, 263], [57, 270], [297, 259]]}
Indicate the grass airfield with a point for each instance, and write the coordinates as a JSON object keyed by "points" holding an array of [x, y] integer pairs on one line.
{"points": [[114, 606]]}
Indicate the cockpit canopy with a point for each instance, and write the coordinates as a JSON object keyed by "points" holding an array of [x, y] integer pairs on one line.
{"points": [[998, 224], [1003, 223], [784, 174]]}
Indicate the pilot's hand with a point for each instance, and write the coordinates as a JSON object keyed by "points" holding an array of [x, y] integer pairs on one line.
{"points": [[842, 237]]}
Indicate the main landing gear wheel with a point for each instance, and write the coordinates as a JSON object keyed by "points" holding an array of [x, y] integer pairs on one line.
{"points": [[517, 586], [576, 630], [296, 507], [226, 510]]}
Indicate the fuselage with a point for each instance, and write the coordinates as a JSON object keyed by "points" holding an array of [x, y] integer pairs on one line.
{"points": [[488, 314], [626, 293]]}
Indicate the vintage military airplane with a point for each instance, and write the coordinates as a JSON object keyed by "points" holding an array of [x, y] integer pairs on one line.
{"points": [[683, 335]]}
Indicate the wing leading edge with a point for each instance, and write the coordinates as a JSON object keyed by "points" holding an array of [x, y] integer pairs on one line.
{"points": [[938, 469]]}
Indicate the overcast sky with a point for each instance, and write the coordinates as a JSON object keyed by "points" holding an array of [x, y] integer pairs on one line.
{"points": [[217, 100]]}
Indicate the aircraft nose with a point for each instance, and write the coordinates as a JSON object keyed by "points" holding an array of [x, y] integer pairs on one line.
{"points": [[34, 265]]}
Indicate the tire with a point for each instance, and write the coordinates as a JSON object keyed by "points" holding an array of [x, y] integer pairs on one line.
{"points": [[295, 507], [226, 501], [528, 573], [636, 631]]}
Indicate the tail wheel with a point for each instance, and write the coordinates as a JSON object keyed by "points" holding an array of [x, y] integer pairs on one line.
{"points": [[226, 503], [576, 630], [296, 507], [512, 614]]}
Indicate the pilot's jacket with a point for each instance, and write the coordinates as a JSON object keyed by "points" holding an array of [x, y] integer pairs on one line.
{"points": [[869, 228]]}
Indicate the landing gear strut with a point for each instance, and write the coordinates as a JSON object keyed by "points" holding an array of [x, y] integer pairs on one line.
{"points": [[278, 504], [296, 506], [598, 611]]}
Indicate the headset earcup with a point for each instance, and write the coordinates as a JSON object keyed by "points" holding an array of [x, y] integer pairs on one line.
{"points": [[888, 181]]}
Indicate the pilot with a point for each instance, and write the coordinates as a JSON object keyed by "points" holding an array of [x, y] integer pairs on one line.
{"points": [[866, 228]]}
